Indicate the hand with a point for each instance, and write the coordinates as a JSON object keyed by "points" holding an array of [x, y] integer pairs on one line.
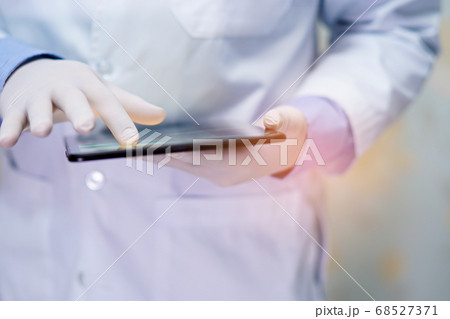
{"points": [[286, 119], [46, 91]]}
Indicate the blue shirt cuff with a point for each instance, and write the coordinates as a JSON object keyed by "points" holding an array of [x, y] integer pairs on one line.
{"points": [[15, 53]]}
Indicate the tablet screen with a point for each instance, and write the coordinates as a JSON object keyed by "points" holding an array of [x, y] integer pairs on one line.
{"points": [[179, 137]]}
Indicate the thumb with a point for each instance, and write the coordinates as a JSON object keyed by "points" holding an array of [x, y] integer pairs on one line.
{"points": [[138, 109], [272, 120], [280, 118], [286, 119]]}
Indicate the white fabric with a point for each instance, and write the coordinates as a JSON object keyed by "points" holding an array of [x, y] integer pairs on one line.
{"points": [[57, 234]]}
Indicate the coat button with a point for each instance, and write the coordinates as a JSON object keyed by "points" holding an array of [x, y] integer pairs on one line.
{"points": [[104, 67], [95, 180]]}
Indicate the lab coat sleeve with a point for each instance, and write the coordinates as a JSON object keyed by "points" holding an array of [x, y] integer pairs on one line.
{"points": [[379, 65], [329, 129]]}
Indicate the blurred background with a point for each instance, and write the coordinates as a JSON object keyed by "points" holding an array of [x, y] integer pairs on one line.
{"points": [[389, 217]]}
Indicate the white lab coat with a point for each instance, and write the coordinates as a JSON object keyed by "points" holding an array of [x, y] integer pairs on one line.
{"points": [[63, 224]]}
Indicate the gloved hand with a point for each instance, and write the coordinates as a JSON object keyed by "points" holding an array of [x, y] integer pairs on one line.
{"points": [[46, 91], [286, 119]]}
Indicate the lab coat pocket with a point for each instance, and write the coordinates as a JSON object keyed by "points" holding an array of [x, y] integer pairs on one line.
{"points": [[25, 263], [28, 192], [240, 248], [229, 18]]}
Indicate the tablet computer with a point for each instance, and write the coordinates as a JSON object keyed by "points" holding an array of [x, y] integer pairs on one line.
{"points": [[163, 138]]}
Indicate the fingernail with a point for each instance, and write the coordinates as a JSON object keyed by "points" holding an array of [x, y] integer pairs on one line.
{"points": [[87, 126], [272, 119], [130, 135]]}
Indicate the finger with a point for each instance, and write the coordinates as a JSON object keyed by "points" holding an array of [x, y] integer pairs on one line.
{"points": [[12, 126], [40, 117], [112, 112], [272, 120], [259, 122], [139, 110], [284, 119], [76, 107]]}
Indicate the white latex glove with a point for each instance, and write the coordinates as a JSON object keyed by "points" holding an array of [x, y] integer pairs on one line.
{"points": [[286, 119], [46, 91]]}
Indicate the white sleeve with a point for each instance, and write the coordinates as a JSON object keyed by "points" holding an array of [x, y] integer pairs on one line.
{"points": [[379, 65], [3, 33]]}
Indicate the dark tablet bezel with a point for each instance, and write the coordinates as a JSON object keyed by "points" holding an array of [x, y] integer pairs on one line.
{"points": [[74, 154]]}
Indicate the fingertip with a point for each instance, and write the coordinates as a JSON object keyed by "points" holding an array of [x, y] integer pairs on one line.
{"points": [[42, 129], [85, 127], [163, 113], [132, 141], [272, 120], [154, 115], [129, 136], [7, 141], [161, 116]]}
